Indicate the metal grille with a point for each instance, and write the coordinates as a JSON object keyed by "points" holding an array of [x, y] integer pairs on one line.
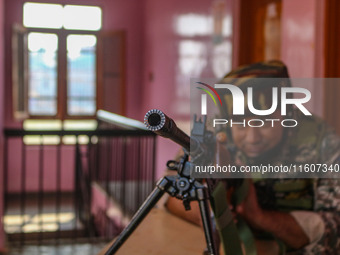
{"points": [[75, 192]]}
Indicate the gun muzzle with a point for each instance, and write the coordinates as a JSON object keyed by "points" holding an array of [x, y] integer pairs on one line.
{"points": [[156, 121]]}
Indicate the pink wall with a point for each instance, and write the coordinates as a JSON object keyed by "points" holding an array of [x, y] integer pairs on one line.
{"points": [[161, 67], [2, 84], [161, 53], [302, 44], [13, 14], [32, 168], [128, 15]]}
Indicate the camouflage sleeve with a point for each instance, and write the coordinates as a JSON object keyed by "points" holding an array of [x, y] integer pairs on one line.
{"points": [[328, 207], [327, 200]]}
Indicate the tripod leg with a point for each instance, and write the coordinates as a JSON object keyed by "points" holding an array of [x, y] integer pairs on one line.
{"points": [[145, 208], [208, 232]]}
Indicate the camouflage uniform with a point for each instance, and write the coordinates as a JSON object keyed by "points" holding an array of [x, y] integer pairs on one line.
{"points": [[321, 195], [312, 141]]}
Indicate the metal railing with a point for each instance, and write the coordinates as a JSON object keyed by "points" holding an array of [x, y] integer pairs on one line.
{"points": [[80, 191]]}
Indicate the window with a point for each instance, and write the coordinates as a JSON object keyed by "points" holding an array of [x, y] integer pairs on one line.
{"points": [[62, 60], [42, 73], [204, 49], [65, 69]]}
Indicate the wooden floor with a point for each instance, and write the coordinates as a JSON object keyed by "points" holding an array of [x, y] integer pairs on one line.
{"points": [[46, 224], [163, 233], [41, 217], [62, 249]]}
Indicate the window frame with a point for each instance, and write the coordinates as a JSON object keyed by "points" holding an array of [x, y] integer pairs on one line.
{"points": [[62, 73]]}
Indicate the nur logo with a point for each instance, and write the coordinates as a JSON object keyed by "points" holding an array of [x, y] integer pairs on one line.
{"points": [[204, 97], [239, 104]]}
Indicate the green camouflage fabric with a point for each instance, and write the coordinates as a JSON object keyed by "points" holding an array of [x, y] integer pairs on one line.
{"points": [[312, 141], [269, 69], [259, 76]]}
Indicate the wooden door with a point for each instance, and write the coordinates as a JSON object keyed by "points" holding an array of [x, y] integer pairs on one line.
{"points": [[332, 64], [260, 33]]}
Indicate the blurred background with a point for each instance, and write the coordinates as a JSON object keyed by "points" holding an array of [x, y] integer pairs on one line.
{"points": [[71, 174]]}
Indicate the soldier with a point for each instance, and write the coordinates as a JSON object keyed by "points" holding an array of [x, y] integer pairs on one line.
{"points": [[301, 214]]}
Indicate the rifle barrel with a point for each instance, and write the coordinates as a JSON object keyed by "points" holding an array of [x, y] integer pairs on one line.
{"points": [[156, 121]]}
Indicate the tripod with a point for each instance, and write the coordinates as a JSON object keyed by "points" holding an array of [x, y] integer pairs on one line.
{"points": [[182, 187]]}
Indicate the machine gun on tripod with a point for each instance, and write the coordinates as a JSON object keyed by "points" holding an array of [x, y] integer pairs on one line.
{"points": [[181, 186]]}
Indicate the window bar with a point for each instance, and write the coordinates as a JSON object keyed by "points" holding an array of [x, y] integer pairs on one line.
{"points": [[76, 190], [103, 162], [153, 162], [23, 191], [107, 184], [148, 170], [143, 165], [58, 187], [41, 187], [135, 170], [116, 178], [118, 170], [5, 179], [116, 174], [114, 167], [123, 170], [111, 178], [128, 175], [97, 161], [147, 167], [91, 168], [139, 175]]}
